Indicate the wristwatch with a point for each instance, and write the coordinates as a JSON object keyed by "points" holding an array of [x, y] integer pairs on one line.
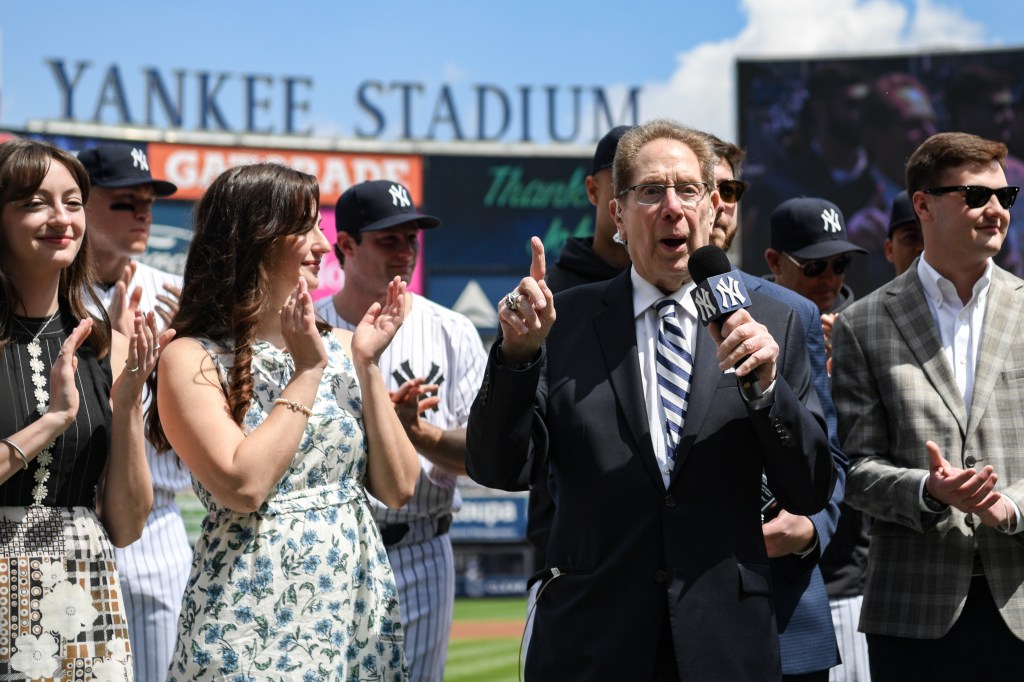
{"points": [[933, 504]]}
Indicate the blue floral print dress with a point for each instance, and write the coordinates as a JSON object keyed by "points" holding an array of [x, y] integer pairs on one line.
{"points": [[301, 589]]}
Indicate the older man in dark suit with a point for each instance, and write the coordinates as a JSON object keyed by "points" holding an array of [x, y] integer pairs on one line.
{"points": [[928, 376], [659, 569]]}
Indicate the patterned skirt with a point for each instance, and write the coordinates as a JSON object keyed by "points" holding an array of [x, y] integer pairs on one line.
{"points": [[61, 611]]}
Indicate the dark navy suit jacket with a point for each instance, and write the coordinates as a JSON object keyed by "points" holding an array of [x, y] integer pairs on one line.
{"points": [[807, 639], [632, 554]]}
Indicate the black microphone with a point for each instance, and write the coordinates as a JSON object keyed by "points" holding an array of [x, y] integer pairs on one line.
{"points": [[718, 295]]}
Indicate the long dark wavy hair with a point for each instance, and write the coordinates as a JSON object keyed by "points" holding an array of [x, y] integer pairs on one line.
{"points": [[245, 212], [23, 167]]}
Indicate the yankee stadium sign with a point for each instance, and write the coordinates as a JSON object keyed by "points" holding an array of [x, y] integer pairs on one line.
{"points": [[259, 103]]}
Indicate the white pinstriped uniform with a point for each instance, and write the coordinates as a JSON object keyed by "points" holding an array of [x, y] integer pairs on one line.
{"points": [[444, 347], [154, 568], [853, 645]]}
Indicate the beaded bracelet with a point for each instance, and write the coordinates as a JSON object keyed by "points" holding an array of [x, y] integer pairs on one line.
{"points": [[294, 406], [21, 453]]}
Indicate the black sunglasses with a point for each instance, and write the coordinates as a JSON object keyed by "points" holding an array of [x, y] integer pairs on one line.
{"points": [[813, 268], [732, 191], [976, 196]]}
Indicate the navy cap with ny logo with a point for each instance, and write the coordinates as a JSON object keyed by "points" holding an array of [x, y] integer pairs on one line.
{"points": [[378, 205], [120, 165]]}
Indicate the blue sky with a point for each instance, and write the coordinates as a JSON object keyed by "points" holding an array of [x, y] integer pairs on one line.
{"points": [[680, 55]]}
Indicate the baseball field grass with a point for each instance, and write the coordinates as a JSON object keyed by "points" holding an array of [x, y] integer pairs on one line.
{"points": [[484, 645]]}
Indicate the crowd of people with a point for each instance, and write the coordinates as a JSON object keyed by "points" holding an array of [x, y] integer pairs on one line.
{"points": [[734, 474]]}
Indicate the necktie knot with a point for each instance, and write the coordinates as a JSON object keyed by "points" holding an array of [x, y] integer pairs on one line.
{"points": [[665, 307]]}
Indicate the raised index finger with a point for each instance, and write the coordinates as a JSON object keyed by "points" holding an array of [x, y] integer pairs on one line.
{"points": [[537, 266]]}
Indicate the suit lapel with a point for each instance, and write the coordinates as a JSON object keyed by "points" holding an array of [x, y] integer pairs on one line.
{"points": [[615, 328], [913, 320], [1000, 329]]}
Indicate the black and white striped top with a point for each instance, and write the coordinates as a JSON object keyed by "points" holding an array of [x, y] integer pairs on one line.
{"points": [[80, 453]]}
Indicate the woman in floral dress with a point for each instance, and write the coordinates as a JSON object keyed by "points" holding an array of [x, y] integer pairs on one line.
{"points": [[285, 424], [73, 472]]}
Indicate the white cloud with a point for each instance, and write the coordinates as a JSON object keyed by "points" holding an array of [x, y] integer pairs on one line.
{"points": [[701, 92], [451, 72]]}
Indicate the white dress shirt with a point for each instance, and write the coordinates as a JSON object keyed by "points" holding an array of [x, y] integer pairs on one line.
{"points": [[960, 325], [645, 319], [960, 328]]}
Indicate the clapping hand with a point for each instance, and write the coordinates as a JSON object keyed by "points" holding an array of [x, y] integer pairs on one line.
{"points": [[968, 490], [380, 323], [144, 347], [123, 306], [169, 302], [298, 327], [63, 391], [412, 399]]}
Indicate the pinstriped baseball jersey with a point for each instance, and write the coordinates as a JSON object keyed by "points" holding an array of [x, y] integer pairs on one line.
{"points": [[167, 474], [443, 347], [154, 568]]}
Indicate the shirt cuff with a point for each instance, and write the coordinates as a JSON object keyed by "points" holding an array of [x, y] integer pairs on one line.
{"points": [[766, 400], [923, 502], [1016, 513], [813, 546]]}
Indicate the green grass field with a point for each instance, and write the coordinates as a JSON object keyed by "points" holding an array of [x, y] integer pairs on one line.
{"points": [[485, 660]]}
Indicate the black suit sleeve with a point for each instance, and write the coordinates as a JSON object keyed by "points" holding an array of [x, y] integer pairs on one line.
{"points": [[798, 459], [506, 436]]}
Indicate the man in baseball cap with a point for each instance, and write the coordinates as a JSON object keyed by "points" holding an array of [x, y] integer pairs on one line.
{"points": [[809, 251], [904, 242], [594, 259], [437, 357], [119, 215], [120, 209]]}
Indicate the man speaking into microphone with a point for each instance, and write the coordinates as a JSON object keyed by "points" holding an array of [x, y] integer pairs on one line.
{"points": [[658, 568]]}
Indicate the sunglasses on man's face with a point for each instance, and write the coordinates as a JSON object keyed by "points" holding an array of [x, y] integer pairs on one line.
{"points": [[814, 268], [732, 191], [976, 196]]}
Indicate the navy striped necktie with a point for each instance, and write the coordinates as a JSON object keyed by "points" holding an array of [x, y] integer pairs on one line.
{"points": [[674, 367]]}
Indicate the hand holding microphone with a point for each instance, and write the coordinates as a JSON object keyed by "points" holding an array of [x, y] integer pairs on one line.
{"points": [[721, 301]]}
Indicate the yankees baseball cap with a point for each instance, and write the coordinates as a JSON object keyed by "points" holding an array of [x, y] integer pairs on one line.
{"points": [[808, 227], [902, 212], [604, 155], [377, 205], [120, 165]]}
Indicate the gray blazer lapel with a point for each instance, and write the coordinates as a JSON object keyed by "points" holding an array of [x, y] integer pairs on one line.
{"points": [[912, 318], [1000, 330], [615, 330]]}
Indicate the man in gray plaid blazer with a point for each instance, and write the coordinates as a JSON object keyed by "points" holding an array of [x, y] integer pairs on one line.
{"points": [[928, 380]]}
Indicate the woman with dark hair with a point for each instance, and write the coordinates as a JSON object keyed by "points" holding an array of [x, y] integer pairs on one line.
{"points": [[285, 424], [73, 473]]}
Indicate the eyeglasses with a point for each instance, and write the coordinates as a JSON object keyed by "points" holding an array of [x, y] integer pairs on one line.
{"points": [[814, 268], [976, 196], [732, 191], [649, 195]]}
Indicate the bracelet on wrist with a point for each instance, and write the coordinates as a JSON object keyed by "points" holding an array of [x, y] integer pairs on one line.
{"points": [[294, 406], [21, 453]]}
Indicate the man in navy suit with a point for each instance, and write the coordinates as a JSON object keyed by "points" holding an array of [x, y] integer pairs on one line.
{"points": [[807, 638], [658, 563]]}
